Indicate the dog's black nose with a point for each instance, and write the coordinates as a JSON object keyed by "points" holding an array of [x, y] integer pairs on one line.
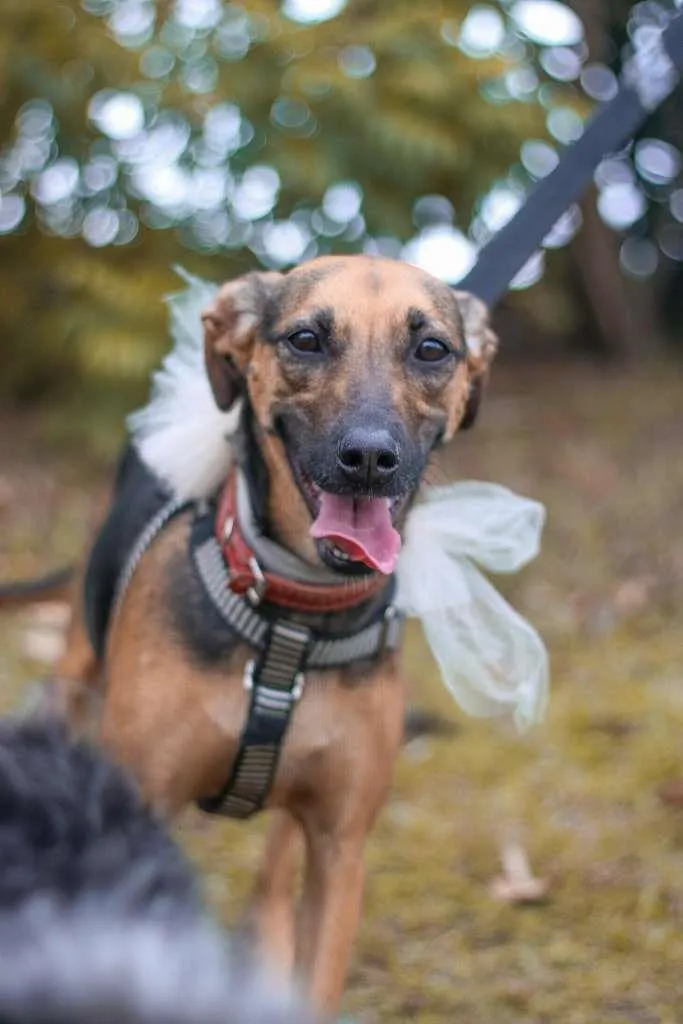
{"points": [[368, 457]]}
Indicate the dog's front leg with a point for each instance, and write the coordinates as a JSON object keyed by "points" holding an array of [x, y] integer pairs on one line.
{"points": [[329, 913], [272, 910]]}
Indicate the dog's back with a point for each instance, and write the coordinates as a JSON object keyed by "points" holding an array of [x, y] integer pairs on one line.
{"points": [[101, 918]]}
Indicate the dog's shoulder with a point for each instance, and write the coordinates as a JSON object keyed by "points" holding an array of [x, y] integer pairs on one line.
{"points": [[194, 622]]}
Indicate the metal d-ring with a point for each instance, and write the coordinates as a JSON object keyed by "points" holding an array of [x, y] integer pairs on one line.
{"points": [[257, 590], [228, 527], [298, 688], [391, 623]]}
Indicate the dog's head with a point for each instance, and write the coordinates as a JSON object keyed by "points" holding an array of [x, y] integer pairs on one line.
{"points": [[355, 369]]}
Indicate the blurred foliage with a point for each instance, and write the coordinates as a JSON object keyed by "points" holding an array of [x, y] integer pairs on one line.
{"points": [[136, 134], [422, 123]]}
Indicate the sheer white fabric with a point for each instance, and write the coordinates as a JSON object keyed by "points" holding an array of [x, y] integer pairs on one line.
{"points": [[181, 434], [491, 659]]}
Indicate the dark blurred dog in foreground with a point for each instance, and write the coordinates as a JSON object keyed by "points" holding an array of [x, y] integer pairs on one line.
{"points": [[101, 918]]}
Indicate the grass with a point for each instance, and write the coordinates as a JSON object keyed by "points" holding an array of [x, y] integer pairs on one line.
{"points": [[581, 792]]}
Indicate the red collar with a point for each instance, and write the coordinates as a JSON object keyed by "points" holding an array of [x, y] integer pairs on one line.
{"points": [[247, 577]]}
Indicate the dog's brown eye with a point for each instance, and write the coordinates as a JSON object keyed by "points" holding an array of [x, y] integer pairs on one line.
{"points": [[304, 341], [432, 351]]}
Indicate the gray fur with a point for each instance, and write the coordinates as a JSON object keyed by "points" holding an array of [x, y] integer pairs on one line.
{"points": [[101, 918]]}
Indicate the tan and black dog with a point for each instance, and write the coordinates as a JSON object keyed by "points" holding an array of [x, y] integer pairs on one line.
{"points": [[351, 371]]}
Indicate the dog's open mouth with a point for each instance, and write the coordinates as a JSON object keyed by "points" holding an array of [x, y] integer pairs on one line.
{"points": [[353, 529]]}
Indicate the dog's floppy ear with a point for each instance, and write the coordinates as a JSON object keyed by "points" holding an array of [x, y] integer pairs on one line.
{"points": [[230, 325], [482, 345]]}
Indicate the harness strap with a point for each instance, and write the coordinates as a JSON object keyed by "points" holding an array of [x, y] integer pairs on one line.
{"points": [[276, 681], [148, 535]]}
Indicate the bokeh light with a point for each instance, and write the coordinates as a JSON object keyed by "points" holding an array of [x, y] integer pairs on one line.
{"points": [[638, 257], [310, 11], [199, 166], [656, 161], [443, 251], [547, 22], [357, 61], [120, 115], [342, 201], [482, 31], [599, 82], [530, 274], [621, 204], [564, 229], [12, 210]]}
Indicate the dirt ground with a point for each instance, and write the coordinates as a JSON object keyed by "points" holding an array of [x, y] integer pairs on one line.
{"points": [[582, 793]]}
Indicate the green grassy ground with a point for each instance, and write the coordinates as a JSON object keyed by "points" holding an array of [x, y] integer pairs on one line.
{"points": [[603, 452]]}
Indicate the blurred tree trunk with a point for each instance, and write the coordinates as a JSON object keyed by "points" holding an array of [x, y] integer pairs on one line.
{"points": [[625, 314]]}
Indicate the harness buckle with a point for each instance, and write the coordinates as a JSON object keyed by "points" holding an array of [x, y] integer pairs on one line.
{"points": [[295, 693], [256, 592], [391, 627], [248, 676]]}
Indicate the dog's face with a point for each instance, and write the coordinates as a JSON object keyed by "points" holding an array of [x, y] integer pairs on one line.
{"points": [[355, 369]]}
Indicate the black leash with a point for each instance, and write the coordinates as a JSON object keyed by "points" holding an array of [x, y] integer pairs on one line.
{"points": [[647, 79]]}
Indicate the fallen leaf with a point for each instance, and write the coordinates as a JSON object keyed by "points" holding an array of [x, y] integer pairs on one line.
{"points": [[670, 792], [7, 492], [633, 595]]}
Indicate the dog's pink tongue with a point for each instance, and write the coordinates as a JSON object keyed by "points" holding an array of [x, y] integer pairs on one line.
{"points": [[361, 527]]}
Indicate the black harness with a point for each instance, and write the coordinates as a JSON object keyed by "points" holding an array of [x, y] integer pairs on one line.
{"points": [[284, 650]]}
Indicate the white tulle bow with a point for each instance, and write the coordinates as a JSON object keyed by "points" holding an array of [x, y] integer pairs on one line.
{"points": [[181, 433], [491, 659]]}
